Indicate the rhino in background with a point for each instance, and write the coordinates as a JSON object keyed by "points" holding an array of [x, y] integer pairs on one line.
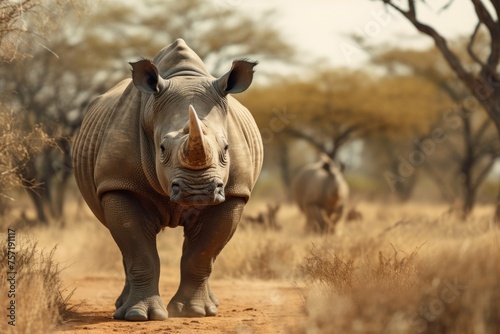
{"points": [[321, 192], [169, 147]]}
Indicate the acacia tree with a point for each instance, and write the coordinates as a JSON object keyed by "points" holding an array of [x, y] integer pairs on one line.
{"points": [[217, 33], [335, 107], [483, 79], [53, 92], [22, 25], [15, 34], [471, 146], [333, 111]]}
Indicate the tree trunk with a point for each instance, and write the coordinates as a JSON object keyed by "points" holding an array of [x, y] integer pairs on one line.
{"points": [[469, 199], [483, 85], [497, 210], [50, 171], [38, 202], [57, 197], [497, 213], [468, 162], [60, 173]]}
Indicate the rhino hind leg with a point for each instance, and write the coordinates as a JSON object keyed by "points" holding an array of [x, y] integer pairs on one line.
{"points": [[135, 234], [203, 241]]}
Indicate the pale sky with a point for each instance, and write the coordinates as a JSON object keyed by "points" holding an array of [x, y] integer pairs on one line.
{"points": [[320, 28]]}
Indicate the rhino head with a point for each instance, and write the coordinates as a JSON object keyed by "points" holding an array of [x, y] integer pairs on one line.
{"points": [[186, 117]]}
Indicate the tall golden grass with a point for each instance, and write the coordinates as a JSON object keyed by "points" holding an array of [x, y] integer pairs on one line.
{"points": [[37, 297], [426, 272], [39, 294]]}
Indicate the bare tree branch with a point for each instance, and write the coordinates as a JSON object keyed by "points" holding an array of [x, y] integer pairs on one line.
{"points": [[470, 46], [484, 85], [439, 40], [308, 138], [496, 5], [446, 6], [485, 17]]}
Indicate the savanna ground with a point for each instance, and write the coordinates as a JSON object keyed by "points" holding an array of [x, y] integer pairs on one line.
{"points": [[412, 268]]}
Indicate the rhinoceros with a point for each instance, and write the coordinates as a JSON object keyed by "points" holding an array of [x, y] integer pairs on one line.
{"points": [[321, 192], [169, 147]]}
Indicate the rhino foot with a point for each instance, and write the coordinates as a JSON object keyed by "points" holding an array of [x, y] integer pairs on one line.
{"points": [[194, 307], [120, 301], [213, 298], [123, 297], [151, 308]]}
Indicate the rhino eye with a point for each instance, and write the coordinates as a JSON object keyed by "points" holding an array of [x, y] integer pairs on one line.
{"points": [[225, 144], [223, 154], [164, 154]]}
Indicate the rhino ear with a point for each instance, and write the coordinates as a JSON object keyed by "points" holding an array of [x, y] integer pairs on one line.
{"points": [[238, 79], [145, 76]]}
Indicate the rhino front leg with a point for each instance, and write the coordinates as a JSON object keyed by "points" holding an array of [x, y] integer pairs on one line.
{"points": [[334, 218], [316, 220], [126, 289], [203, 242], [134, 231]]}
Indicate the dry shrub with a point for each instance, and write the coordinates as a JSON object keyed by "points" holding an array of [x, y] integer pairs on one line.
{"points": [[328, 270], [449, 290], [24, 23], [395, 271], [16, 148], [39, 299]]}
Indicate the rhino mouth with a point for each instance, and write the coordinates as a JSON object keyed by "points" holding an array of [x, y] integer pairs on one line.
{"points": [[186, 194]]}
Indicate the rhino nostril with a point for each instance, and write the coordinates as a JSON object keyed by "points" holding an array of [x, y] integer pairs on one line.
{"points": [[175, 188], [220, 185]]}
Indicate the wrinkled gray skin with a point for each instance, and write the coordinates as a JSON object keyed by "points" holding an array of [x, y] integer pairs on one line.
{"points": [[321, 193], [171, 148]]}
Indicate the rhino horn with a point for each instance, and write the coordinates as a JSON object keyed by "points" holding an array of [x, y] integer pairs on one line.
{"points": [[196, 151]]}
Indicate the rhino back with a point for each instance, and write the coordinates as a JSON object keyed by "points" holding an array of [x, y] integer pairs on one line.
{"points": [[246, 150]]}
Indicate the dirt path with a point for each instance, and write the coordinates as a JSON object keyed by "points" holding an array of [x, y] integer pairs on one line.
{"points": [[247, 306]]}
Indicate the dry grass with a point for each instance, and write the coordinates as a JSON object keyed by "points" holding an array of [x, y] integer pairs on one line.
{"points": [[425, 273], [458, 295], [40, 298], [403, 269]]}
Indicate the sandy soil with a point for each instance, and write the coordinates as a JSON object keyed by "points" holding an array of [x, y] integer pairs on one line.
{"points": [[247, 306]]}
